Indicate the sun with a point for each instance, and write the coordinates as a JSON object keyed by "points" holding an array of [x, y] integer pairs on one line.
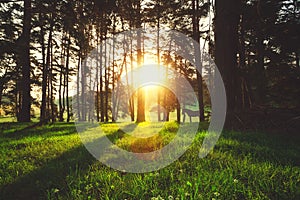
{"points": [[150, 73]]}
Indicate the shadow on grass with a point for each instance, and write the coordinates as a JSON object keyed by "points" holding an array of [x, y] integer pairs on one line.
{"points": [[18, 131], [276, 149], [52, 174], [12, 127], [121, 132]]}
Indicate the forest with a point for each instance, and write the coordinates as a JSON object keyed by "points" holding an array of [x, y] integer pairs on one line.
{"points": [[165, 81]]}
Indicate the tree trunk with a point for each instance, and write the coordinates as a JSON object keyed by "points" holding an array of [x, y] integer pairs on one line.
{"points": [[25, 61], [297, 59], [158, 63], [260, 70], [60, 97], [61, 86], [44, 78], [51, 99], [141, 92], [78, 88], [83, 90], [67, 80], [97, 82], [106, 76], [101, 84], [196, 37], [226, 38], [178, 115], [1, 93], [132, 107], [113, 97]]}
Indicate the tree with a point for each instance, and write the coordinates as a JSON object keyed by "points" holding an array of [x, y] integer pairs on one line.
{"points": [[141, 93], [24, 55], [226, 44]]}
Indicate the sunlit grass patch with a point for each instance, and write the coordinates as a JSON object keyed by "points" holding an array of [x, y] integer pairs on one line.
{"points": [[51, 162], [140, 138]]}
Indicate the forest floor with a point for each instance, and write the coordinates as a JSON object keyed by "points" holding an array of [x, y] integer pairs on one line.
{"points": [[50, 162]]}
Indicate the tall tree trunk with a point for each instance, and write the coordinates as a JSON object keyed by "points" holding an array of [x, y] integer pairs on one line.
{"points": [[141, 92], [60, 97], [227, 19], [297, 59], [61, 85], [196, 37], [106, 76], [132, 107], [45, 76], [25, 61], [18, 100], [78, 104], [101, 83], [241, 96], [226, 39], [1, 93], [113, 97], [83, 90], [158, 63], [178, 107], [67, 80], [260, 70], [97, 83], [244, 93], [51, 84]]}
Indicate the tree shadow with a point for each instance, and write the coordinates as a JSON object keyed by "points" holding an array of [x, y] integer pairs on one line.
{"points": [[121, 132], [52, 174], [18, 131], [276, 149]]}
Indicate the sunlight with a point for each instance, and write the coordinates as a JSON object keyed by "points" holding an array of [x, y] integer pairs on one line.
{"points": [[150, 75]]}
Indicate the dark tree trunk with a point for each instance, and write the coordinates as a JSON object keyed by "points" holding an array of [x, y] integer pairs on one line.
{"points": [[83, 90], [51, 79], [97, 83], [61, 87], [196, 37], [178, 115], [44, 78], [25, 61], [167, 116], [113, 97], [158, 62], [60, 97], [106, 76], [101, 85], [260, 70], [78, 104], [1, 93], [132, 107], [141, 92], [297, 59], [67, 81], [226, 39], [244, 93]]}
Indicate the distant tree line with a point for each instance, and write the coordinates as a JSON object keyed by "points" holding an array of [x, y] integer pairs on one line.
{"points": [[254, 43]]}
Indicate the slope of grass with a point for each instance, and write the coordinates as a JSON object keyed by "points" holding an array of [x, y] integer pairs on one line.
{"points": [[50, 162]]}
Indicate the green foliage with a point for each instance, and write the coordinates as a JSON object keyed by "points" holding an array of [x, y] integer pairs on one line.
{"points": [[50, 162]]}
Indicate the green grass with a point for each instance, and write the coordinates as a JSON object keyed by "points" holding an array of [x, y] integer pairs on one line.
{"points": [[50, 162]]}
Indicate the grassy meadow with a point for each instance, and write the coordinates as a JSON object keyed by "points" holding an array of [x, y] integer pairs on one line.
{"points": [[50, 162]]}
